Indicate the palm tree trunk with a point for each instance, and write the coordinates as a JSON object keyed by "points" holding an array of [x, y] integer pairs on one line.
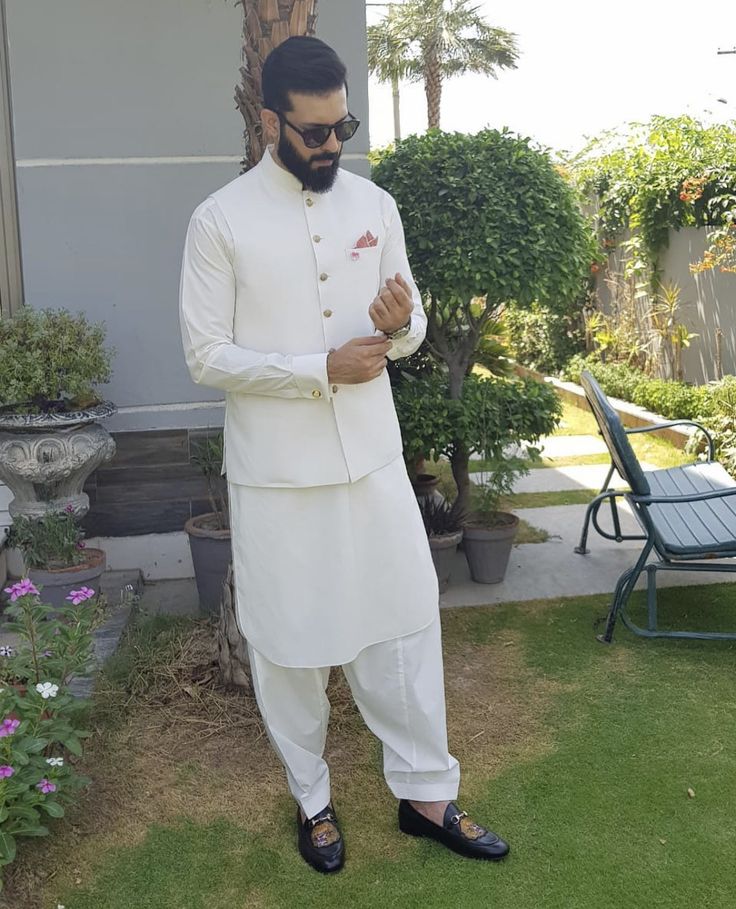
{"points": [[232, 649], [397, 108], [433, 90], [266, 23]]}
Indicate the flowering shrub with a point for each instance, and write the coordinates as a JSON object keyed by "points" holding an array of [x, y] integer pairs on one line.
{"points": [[51, 360], [39, 718], [658, 176], [53, 541]]}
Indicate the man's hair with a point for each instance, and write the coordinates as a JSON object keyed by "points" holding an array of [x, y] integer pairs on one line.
{"points": [[304, 65]]}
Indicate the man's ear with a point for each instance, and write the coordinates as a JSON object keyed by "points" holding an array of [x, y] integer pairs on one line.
{"points": [[271, 125]]}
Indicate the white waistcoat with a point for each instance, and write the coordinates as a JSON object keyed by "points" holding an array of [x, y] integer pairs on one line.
{"points": [[271, 281]]}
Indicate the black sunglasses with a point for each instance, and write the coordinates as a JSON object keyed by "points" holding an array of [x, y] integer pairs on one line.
{"points": [[316, 136]]}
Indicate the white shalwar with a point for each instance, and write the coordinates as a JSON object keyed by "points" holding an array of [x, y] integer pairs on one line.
{"points": [[398, 687], [330, 557]]}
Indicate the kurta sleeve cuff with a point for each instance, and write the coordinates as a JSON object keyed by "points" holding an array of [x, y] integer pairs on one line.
{"points": [[310, 376], [411, 342]]}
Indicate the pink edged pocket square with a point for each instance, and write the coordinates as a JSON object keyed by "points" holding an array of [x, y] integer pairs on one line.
{"points": [[366, 240]]}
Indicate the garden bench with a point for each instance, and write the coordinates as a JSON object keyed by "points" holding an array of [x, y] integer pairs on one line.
{"points": [[687, 516]]}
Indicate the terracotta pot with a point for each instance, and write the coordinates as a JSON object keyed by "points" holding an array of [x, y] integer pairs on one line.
{"points": [[488, 548], [55, 584], [211, 556], [443, 549]]}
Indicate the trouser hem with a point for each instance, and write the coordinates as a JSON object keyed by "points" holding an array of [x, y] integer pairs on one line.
{"points": [[315, 801], [425, 792]]}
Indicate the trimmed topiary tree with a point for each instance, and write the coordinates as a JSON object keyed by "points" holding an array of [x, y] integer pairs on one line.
{"points": [[486, 216]]}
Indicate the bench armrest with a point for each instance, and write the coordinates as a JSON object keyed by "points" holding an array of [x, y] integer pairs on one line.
{"points": [[706, 433], [693, 497]]}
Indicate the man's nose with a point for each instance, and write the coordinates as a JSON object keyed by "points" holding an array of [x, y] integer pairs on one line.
{"points": [[332, 145]]}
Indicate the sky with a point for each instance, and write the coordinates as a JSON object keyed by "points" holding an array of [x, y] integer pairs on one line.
{"points": [[584, 68]]}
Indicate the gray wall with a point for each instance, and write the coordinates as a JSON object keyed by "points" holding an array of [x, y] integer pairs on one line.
{"points": [[124, 121], [707, 303]]}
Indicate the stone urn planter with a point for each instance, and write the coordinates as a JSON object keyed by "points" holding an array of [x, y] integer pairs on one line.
{"points": [[488, 547], [46, 458], [211, 556], [443, 548]]}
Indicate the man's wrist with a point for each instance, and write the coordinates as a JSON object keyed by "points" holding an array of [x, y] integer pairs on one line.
{"points": [[400, 332]]}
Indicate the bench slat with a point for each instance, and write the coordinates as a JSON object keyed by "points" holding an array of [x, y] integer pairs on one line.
{"points": [[690, 527]]}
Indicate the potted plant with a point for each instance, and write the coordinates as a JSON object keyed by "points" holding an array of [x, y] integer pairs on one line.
{"points": [[493, 417], [54, 556], [488, 532], [209, 534], [444, 532], [50, 442]]}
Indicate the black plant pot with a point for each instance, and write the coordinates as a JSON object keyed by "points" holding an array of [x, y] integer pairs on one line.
{"points": [[211, 555], [488, 549]]}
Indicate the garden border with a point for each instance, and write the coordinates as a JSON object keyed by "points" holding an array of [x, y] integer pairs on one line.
{"points": [[631, 414]]}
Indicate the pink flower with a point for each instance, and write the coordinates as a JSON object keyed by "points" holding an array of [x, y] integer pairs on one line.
{"points": [[81, 544], [79, 596], [46, 786], [8, 726], [69, 509], [5, 771], [22, 588]]}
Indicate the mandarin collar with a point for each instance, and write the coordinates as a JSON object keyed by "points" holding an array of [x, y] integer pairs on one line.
{"points": [[274, 173]]}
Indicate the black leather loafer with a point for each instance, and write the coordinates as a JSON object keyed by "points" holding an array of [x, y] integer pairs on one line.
{"points": [[458, 832], [320, 841]]}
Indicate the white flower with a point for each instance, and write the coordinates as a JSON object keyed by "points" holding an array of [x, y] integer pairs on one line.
{"points": [[6, 651], [47, 689], [55, 761]]}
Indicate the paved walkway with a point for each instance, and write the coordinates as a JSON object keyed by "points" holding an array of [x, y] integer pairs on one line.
{"points": [[554, 569]]}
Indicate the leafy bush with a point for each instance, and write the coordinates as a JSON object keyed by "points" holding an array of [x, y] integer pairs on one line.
{"points": [[53, 541], [487, 218], [668, 173], [616, 379], [40, 720], [542, 338], [721, 421], [50, 360], [672, 400], [492, 415]]}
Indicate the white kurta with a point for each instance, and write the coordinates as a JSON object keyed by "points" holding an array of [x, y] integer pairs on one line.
{"points": [[324, 571], [329, 551]]}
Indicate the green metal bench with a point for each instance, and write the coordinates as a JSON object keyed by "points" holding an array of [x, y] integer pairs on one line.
{"points": [[687, 516]]}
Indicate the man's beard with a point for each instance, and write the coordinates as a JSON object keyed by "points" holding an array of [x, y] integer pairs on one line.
{"points": [[316, 179]]}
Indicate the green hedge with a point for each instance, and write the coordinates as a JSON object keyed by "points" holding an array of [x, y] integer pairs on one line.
{"points": [[672, 400]]}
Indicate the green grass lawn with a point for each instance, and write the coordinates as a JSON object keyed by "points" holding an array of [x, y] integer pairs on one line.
{"points": [[581, 754]]}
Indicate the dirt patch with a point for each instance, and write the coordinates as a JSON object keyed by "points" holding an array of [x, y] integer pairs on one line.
{"points": [[188, 748]]}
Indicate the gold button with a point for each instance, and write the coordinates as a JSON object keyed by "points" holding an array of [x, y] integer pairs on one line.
{"points": [[327, 313], [317, 238], [323, 276], [334, 389], [309, 202], [316, 393]]}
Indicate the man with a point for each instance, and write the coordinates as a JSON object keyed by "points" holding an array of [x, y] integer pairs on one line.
{"points": [[295, 289]]}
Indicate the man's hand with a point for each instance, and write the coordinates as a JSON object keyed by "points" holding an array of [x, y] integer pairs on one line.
{"points": [[392, 308], [360, 360]]}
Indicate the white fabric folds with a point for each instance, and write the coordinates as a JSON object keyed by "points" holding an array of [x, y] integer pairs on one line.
{"points": [[323, 572]]}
